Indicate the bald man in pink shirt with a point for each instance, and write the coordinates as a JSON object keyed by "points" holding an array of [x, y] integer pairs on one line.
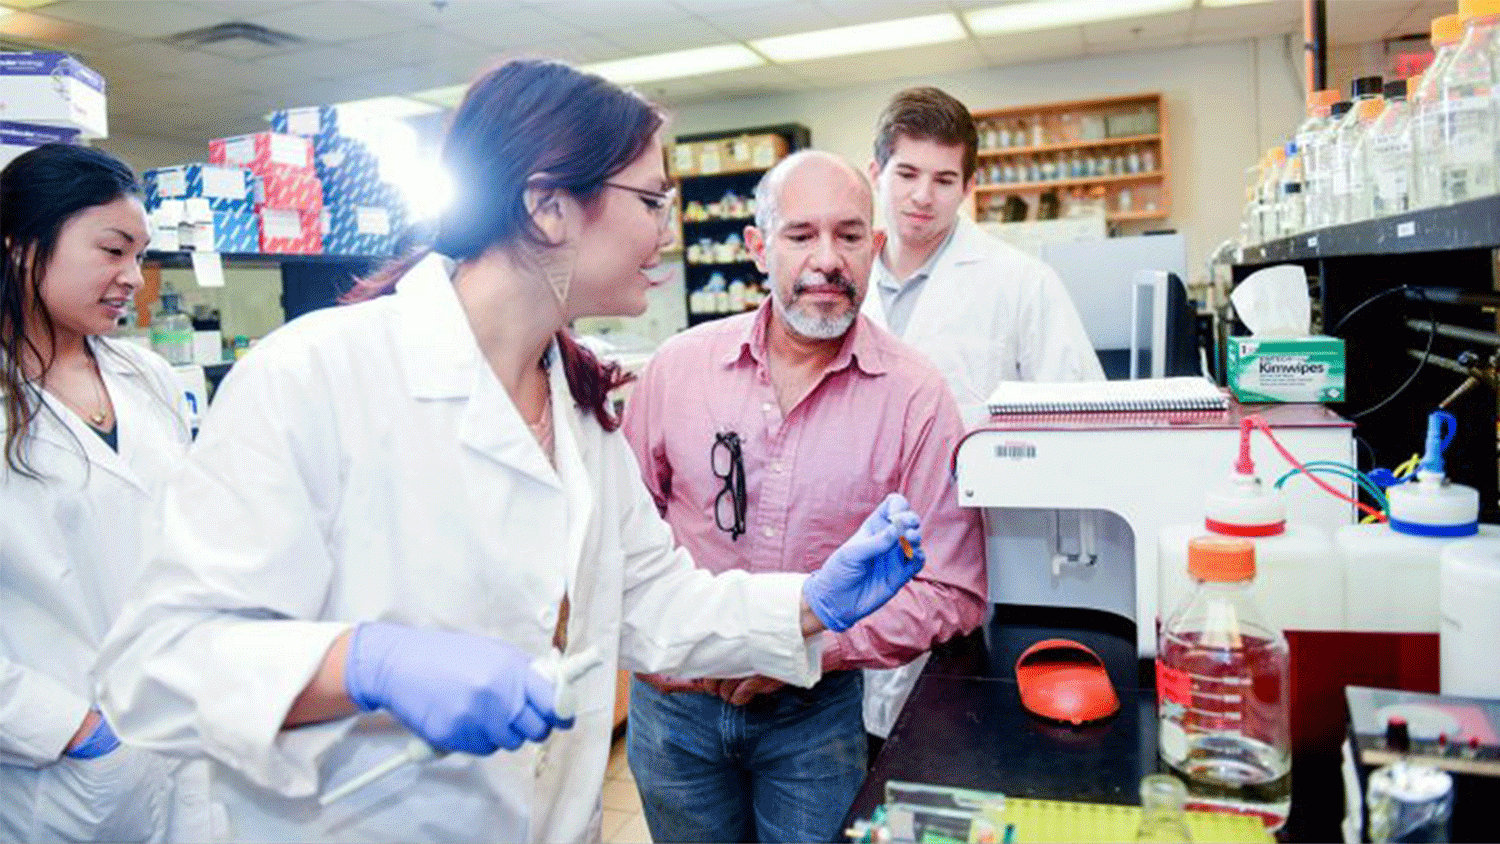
{"points": [[766, 438]]}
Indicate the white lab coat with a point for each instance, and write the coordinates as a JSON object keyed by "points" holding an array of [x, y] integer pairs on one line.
{"points": [[70, 545], [991, 313], [988, 313], [365, 463]]}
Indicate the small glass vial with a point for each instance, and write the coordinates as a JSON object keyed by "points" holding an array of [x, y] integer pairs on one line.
{"points": [[1163, 818]]}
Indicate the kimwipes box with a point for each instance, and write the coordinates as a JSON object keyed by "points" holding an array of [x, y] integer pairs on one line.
{"points": [[54, 89], [1286, 369], [263, 152]]}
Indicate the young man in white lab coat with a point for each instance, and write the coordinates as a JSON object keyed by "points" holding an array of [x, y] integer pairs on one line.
{"points": [[980, 309]]}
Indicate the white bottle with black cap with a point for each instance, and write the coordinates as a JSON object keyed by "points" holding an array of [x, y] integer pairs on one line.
{"points": [[1298, 583], [1391, 569]]}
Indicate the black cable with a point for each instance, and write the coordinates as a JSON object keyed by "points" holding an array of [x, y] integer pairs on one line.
{"points": [[1421, 363], [1401, 288]]}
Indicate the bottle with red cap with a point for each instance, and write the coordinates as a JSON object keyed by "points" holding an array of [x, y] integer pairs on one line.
{"points": [[1222, 687], [1299, 581]]}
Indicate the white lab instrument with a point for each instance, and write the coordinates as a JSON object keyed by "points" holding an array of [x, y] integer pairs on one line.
{"points": [[561, 671], [1075, 503]]}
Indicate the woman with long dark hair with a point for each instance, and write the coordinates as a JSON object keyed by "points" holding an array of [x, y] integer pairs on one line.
{"points": [[395, 508], [91, 431]]}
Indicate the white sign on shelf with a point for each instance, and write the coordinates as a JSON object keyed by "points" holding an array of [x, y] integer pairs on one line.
{"points": [[208, 269]]}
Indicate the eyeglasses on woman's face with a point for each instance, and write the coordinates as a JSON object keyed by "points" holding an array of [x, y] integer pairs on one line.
{"points": [[658, 202]]}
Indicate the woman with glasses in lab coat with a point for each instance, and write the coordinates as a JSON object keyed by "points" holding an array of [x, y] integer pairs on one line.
{"points": [[397, 506], [91, 430]]}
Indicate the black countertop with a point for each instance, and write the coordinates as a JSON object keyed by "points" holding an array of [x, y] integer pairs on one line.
{"points": [[964, 726]]}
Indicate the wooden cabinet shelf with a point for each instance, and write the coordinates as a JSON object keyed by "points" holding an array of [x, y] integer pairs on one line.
{"points": [[1015, 187], [1128, 129], [1001, 152]]}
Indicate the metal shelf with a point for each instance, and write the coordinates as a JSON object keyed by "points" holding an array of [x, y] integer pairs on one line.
{"points": [[185, 258], [1065, 146], [1466, 225]]}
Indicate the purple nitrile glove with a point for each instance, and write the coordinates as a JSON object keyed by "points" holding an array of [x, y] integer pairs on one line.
{"points": [[868, 569], [458, 691]]}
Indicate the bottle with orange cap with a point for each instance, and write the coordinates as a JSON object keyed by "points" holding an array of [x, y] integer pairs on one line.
{"points": [[1317, 122], [1222, 689], [1468, 118], [1426, 101]]}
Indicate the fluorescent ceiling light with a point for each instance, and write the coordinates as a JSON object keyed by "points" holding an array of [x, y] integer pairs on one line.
{"points": [[385, 108], [861, 38], [1051, 14], [676, 64]]}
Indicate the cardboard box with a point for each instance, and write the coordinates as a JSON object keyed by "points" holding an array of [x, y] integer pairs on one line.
{"points": [[220, 188], [358, 230], [53, 89], [309, 122], [320, 124], [350, 174], [286, 188], [1291, 369], [289, 232], [263, 152], [18, 138], [225, 231]]}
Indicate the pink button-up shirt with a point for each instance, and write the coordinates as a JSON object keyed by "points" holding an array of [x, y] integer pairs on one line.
{"points": [[879, 420]]}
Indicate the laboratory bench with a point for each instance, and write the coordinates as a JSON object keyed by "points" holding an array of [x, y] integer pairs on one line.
{"points": [[964, 726]]}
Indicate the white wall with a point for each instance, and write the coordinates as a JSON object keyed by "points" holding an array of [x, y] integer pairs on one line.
{"points": [[1226, 103]]}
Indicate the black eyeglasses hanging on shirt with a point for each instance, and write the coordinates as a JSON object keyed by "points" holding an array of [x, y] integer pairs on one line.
{"points": [[729, 466]]}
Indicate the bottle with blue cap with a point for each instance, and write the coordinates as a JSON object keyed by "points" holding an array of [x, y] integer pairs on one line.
{"points": [[1391, 570]]}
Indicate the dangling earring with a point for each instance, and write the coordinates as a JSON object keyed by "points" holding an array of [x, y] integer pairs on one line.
{"points": [[556, 264]]}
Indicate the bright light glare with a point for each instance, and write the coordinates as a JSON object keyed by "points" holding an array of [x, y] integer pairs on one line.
{"points": [[1052, 14], [404, 162]]}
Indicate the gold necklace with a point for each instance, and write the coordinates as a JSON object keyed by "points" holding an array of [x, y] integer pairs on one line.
{"points": [[101, 412]]}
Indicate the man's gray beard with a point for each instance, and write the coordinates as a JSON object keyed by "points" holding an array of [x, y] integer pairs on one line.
{"points": [[810, 326]]}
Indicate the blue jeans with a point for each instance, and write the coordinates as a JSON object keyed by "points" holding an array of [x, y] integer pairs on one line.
{"points": [[784, 767]]}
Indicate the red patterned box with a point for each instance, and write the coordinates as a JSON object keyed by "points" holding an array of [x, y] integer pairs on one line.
{"points": [[290, 232], [281, 187], [263, 152]]}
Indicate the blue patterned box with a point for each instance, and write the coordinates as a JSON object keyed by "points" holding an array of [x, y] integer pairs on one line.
{"points": [[321, 123], [350, 174], [358, 230], [230, 231], [223, 188]]}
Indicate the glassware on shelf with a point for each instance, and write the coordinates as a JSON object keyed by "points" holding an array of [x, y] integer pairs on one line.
{"points": [[1426, 102], [1467, 159], [1347, 174], [1387, 156]]}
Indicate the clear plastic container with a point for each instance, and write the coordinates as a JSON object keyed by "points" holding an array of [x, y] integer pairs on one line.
{"points": [[1347, 173], [172, 330], [1387, 154], [1467, 123], [1426, 101], [1289, 217], [1222, 688], [1163, 812], [1293, 561], [1319, 168]]}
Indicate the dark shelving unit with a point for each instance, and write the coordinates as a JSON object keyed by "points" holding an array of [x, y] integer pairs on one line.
{"points": [[708, 188], [308, 282], [1448, 254]]}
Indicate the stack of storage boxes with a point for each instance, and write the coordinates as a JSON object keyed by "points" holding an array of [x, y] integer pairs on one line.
{"points": [[361, 213], [202, 206], [48, 98], [288, 198]]}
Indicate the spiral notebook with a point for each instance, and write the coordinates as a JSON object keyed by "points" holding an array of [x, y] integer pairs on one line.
{"points": [[1146, 394]]}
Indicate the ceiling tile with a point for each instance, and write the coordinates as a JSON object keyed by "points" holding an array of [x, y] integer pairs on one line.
{"points": [[330, 22], [1283, 16], [138, 17], [415, 45], [581, 49], [1359, 23], [168, 60], [675, 35], [328, 62], [605, 15], [58, 33], [1143, 43], [510, 26], [1047, 45], [779, 19], [1143, 30]]}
